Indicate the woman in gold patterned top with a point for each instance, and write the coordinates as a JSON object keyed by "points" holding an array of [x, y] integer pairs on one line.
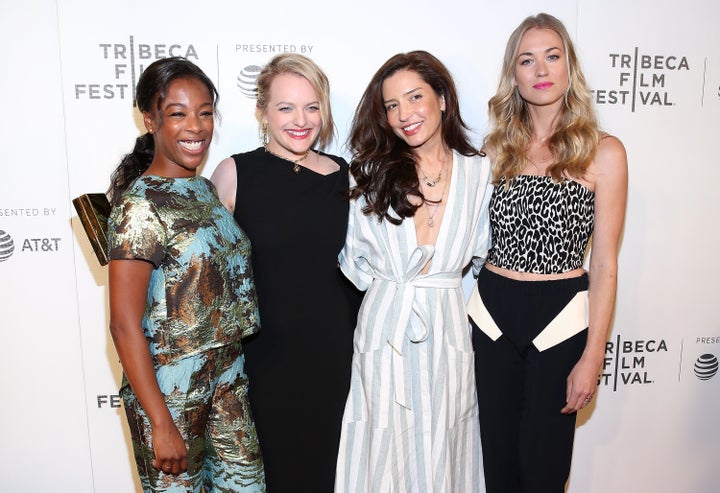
{"points": [[181, 297]]}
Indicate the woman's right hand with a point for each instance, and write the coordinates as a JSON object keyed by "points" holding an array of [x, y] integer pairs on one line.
{"points": [[170, 450]]}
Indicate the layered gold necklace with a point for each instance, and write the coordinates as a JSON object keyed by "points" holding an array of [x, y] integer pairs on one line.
{"points": [[435, 204]]}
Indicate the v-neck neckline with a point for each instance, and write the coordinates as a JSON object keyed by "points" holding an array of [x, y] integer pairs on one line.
{"points": [[440, 241]]}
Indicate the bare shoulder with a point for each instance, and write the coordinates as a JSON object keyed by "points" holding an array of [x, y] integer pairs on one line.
{"points": [[611, 157], [225, 180], [225, 170]]}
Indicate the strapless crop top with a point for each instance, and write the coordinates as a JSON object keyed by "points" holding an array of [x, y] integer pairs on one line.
{"points": [[540, 226]]}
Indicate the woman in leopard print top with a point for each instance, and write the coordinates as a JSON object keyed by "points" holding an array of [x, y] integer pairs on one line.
{"points": [[540, 321]]}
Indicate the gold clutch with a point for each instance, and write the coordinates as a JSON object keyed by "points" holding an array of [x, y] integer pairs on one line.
{"points": [[93, 210]]}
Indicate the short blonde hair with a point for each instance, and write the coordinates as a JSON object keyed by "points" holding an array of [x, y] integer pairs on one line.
{"points": [[293, 63]]}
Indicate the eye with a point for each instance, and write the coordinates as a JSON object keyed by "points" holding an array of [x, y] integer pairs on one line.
{"points": [[525, 61], [206, 113], [553, 58], [416, 97], [390, 106], [313, 108], [177, 114]]}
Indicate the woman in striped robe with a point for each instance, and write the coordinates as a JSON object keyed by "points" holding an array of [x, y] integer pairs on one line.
{"points": [[418, 217]]}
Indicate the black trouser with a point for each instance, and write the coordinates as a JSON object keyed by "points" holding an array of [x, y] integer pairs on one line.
{"points": [[527, 443]]}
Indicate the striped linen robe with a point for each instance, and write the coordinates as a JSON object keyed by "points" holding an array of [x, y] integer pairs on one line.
{"points": [[411, 418]]}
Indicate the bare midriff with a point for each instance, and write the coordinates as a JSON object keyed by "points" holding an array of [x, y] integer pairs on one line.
{"points": [[531, 276]]}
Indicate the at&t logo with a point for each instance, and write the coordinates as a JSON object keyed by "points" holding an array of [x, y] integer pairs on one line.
{"points": [[7, 246], [29, 245], [706, 366], [247, 80], [41, 245]]}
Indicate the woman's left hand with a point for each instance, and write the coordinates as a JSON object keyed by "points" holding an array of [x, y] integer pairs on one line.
{"points": [[581, 385]]}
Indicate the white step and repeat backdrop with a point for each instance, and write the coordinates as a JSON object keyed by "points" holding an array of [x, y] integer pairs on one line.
{"points": [[69, 70]]}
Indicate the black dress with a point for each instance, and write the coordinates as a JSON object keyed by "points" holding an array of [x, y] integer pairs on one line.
{"points": [[298, 364]]}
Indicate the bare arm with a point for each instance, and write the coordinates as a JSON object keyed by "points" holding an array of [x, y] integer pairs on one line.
{"points": [[129, 281], [611, 181], [225, 180]]}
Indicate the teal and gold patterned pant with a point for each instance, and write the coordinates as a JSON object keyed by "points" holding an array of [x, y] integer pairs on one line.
{"points": [[207, 398]]}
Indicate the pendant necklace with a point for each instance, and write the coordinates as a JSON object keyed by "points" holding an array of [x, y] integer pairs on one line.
{"points": [[437, 205], [427, 180], [296, 162]]}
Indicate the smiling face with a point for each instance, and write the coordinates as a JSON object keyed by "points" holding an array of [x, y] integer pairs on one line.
{"points": [[182, 128], [292, 115], [413, 109], [541, 68]]}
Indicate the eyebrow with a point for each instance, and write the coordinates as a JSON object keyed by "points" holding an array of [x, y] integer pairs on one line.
{"points": [[183, 105], [404, 94], [527, 53], [288, 103]]}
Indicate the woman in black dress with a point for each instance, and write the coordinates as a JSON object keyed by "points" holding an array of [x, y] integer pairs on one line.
{"points": [[292, 202]]}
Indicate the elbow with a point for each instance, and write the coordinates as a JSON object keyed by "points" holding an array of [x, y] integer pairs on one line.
{"points": [[604, 265], [608, 269], [603, 274], [118, 330]]}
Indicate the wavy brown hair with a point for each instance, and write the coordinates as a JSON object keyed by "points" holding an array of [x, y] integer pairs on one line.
{"points": [[383, 165], [293, 63], [574, 141]]}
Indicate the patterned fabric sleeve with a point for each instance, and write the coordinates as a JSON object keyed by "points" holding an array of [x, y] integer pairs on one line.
{"points": [[135, 231]]}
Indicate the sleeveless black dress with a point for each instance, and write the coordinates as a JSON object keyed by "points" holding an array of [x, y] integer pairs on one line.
{"points": [[298, 364]]}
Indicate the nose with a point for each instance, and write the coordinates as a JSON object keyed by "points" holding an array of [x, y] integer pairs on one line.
{"points": [[541, 68], [192, 123], [403, 112], [300, 118]]}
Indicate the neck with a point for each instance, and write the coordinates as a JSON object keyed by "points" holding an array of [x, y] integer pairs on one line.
{"points": [[434, 158], [288, 155], [545, 120], [160, 168]]}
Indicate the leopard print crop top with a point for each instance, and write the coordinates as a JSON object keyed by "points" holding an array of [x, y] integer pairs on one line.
{"points": [[540, 226]]}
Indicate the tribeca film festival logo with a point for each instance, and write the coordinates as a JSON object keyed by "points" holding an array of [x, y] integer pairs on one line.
{"points": [[247, 79], [626, 361], [642, 79], [109, 401], [125, 63]]}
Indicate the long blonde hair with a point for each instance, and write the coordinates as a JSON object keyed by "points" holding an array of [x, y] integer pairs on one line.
{"points": [[573, 143]]}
